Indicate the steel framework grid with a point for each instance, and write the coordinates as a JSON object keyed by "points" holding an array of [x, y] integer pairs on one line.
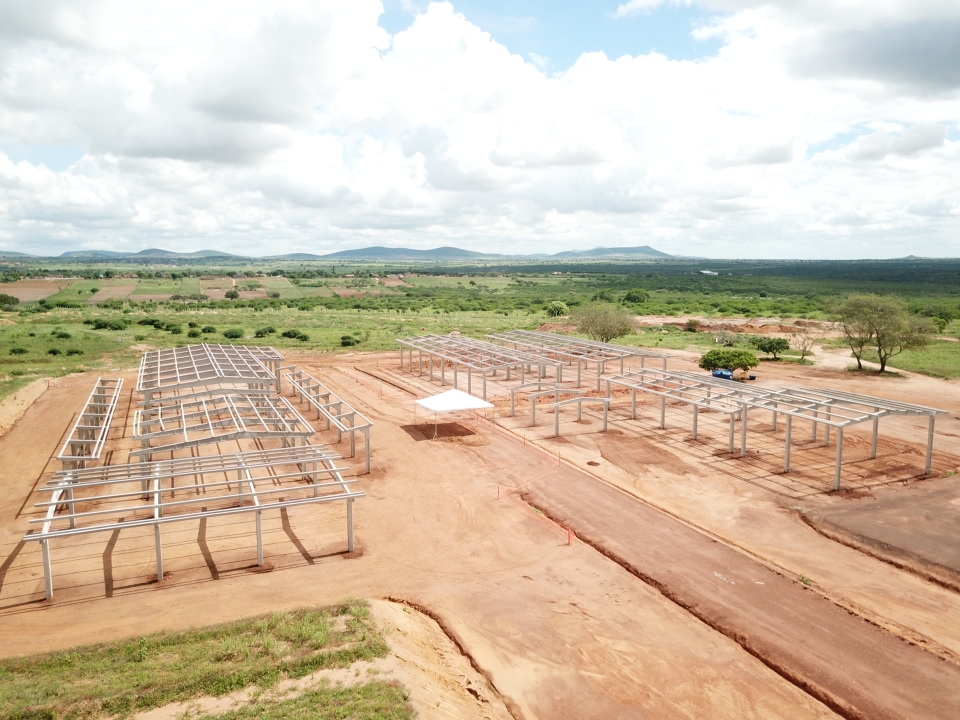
{"points": [[240, 366], [476, 356], [89, 433], [578, 350], [831, 408], [146, 494], [332, 407], [218, 417]]}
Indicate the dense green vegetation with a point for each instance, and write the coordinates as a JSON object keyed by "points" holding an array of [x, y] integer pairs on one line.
{"points": [[121, 678], [105, 315]]}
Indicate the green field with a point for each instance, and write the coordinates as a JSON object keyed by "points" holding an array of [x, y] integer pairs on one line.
{"points": [[159, 287]]}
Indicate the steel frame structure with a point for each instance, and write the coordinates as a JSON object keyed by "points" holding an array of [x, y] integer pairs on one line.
{"points": [[830, 408], [238, 366], [578, 350], [218, 417], [147, 494], [332, 407], [578, 401], [476, 356], [85, 441]]}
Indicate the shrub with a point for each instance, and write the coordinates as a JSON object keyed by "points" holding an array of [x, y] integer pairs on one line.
{"points": [[192, 324], [636, 296], [62, 335], [692, 325], [208, 329], [233, 333], [139, 338], [8, 300], [18, 351], [348, 340], [295, 335], [74, 351], [264, 331], [53, 351], [231, 295], [193, 334], [104, 324], [174, 329]]}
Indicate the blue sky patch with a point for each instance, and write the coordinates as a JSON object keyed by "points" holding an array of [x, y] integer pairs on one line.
{"points": [[560, 31]]}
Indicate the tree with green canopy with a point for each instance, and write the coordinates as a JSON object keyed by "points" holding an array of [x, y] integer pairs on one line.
{"points": [[770, 345], [881, 323], [557, 308], [603, 321], [728, 359]]}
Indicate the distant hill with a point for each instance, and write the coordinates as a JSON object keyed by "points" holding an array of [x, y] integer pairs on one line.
{"points": [[156, 252], [98, 254], [145, 254], [642, 251], [294, 256], [374, 253], [385, 253]]}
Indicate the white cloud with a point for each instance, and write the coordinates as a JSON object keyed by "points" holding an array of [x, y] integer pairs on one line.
{"points": [[641, 7], [303, 126]]}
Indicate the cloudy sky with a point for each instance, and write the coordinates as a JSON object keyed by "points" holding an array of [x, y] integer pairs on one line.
{"points": [[720, 128]]}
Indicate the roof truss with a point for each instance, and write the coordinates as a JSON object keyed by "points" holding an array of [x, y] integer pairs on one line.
{"points": [[216, 418], [194, 365]]}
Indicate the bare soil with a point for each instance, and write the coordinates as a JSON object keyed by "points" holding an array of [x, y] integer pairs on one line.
{"points": [[33, 290], [632, 573]]}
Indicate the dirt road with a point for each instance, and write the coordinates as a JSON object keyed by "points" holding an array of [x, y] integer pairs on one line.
{"points": [[848, 663]]}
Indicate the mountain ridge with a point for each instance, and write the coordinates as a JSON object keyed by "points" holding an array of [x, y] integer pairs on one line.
{"points": [[372, 253]]}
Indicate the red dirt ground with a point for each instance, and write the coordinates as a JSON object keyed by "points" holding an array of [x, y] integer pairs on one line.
{"points": [[687, 585]]}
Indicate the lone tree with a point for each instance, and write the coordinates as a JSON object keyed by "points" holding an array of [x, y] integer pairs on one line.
{"points": [[771, 345], [881, 323], [803, 341], [729, 359], [603, 321], [557, 308]]}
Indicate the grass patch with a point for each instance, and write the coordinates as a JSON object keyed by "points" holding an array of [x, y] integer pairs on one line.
{"points": [[120, 678], [82, 290], [190, 286], [941, 358], [283, 286], [161, 287], [372, 701]]}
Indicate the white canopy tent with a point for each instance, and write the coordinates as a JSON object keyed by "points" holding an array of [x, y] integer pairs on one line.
{"points": [[450, 401]]}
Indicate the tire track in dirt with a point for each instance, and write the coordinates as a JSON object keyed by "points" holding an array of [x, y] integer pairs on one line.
{"points": [[849, 664]]}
